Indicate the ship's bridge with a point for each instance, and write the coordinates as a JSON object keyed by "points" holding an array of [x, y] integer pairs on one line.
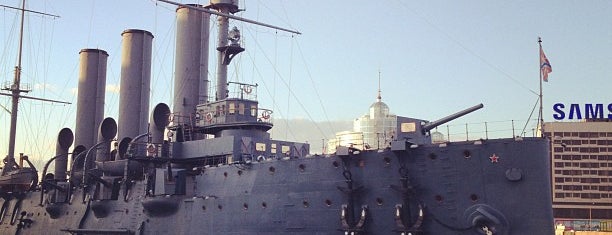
{"points": [[239, 110]]}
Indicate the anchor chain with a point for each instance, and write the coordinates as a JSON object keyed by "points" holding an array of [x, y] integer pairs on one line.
{"points": [[404, 220], [350, 225]]}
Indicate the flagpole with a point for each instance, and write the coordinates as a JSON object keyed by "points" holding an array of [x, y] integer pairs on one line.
{"points": [[540, 116]]}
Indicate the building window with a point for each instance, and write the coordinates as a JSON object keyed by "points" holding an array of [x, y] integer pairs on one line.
{"points": [[565, 134], [566, 157]]}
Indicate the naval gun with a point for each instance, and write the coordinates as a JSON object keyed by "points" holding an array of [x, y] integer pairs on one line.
{"points": [[416, 131], [431, 125]]}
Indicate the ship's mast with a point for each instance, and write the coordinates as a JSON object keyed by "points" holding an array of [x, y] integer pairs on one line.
{"points": [[222, 50], [16, 90], [228, 40]]}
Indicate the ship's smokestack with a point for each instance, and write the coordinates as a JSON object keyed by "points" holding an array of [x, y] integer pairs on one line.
{"points": [[107, 132], [191, 67], [64, 141], [90, 100], [135, 83], [158, 122]]}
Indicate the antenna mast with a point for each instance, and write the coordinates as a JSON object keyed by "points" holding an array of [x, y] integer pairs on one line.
{"points": [[378, 98], [540, 115]]}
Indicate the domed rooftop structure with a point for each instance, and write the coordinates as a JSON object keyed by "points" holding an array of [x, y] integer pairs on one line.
{"points": [[379, 109]]}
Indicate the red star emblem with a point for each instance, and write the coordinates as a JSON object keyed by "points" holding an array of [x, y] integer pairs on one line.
{"points": [[494, 158]]}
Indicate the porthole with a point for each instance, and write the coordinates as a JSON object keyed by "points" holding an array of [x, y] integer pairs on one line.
{"points": [[328, 202], [379, 201], [433, 156], [467, 154]]}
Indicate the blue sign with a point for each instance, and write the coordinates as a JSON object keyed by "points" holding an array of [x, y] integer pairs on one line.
{"points": [[582, 111]]}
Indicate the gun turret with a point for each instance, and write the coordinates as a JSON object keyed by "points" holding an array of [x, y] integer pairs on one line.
{"points": [[431, 125]]}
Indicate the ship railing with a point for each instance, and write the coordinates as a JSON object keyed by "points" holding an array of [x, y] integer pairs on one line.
{"points": [[178, 118], [9, 86], [486, 130], [239, 90], [141, 149]]}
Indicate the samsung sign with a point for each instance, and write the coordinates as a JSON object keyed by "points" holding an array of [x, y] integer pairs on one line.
{"points": [[582, 111]]}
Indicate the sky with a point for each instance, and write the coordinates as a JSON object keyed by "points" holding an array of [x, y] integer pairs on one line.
{"points": [[433, 58]]}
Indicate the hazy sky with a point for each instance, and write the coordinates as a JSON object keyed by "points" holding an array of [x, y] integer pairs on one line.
{"points": [[434, 58]]}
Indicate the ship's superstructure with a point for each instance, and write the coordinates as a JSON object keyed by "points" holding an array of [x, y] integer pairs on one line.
{"points": [[207, 164]]}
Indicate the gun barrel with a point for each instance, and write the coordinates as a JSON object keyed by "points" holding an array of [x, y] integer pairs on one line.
{"points": [[431, 125]]}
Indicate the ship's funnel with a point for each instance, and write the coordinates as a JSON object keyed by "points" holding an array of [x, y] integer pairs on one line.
{"points": [[107, 132], [135, 83], [64, 141], [191, 67], [159, 121], [90, 99]]}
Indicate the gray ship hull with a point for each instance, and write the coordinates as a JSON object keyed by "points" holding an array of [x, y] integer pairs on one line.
{"points": [[454, 188]]}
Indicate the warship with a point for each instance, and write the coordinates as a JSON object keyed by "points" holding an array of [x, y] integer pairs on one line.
{"points": [[209, 165]]}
